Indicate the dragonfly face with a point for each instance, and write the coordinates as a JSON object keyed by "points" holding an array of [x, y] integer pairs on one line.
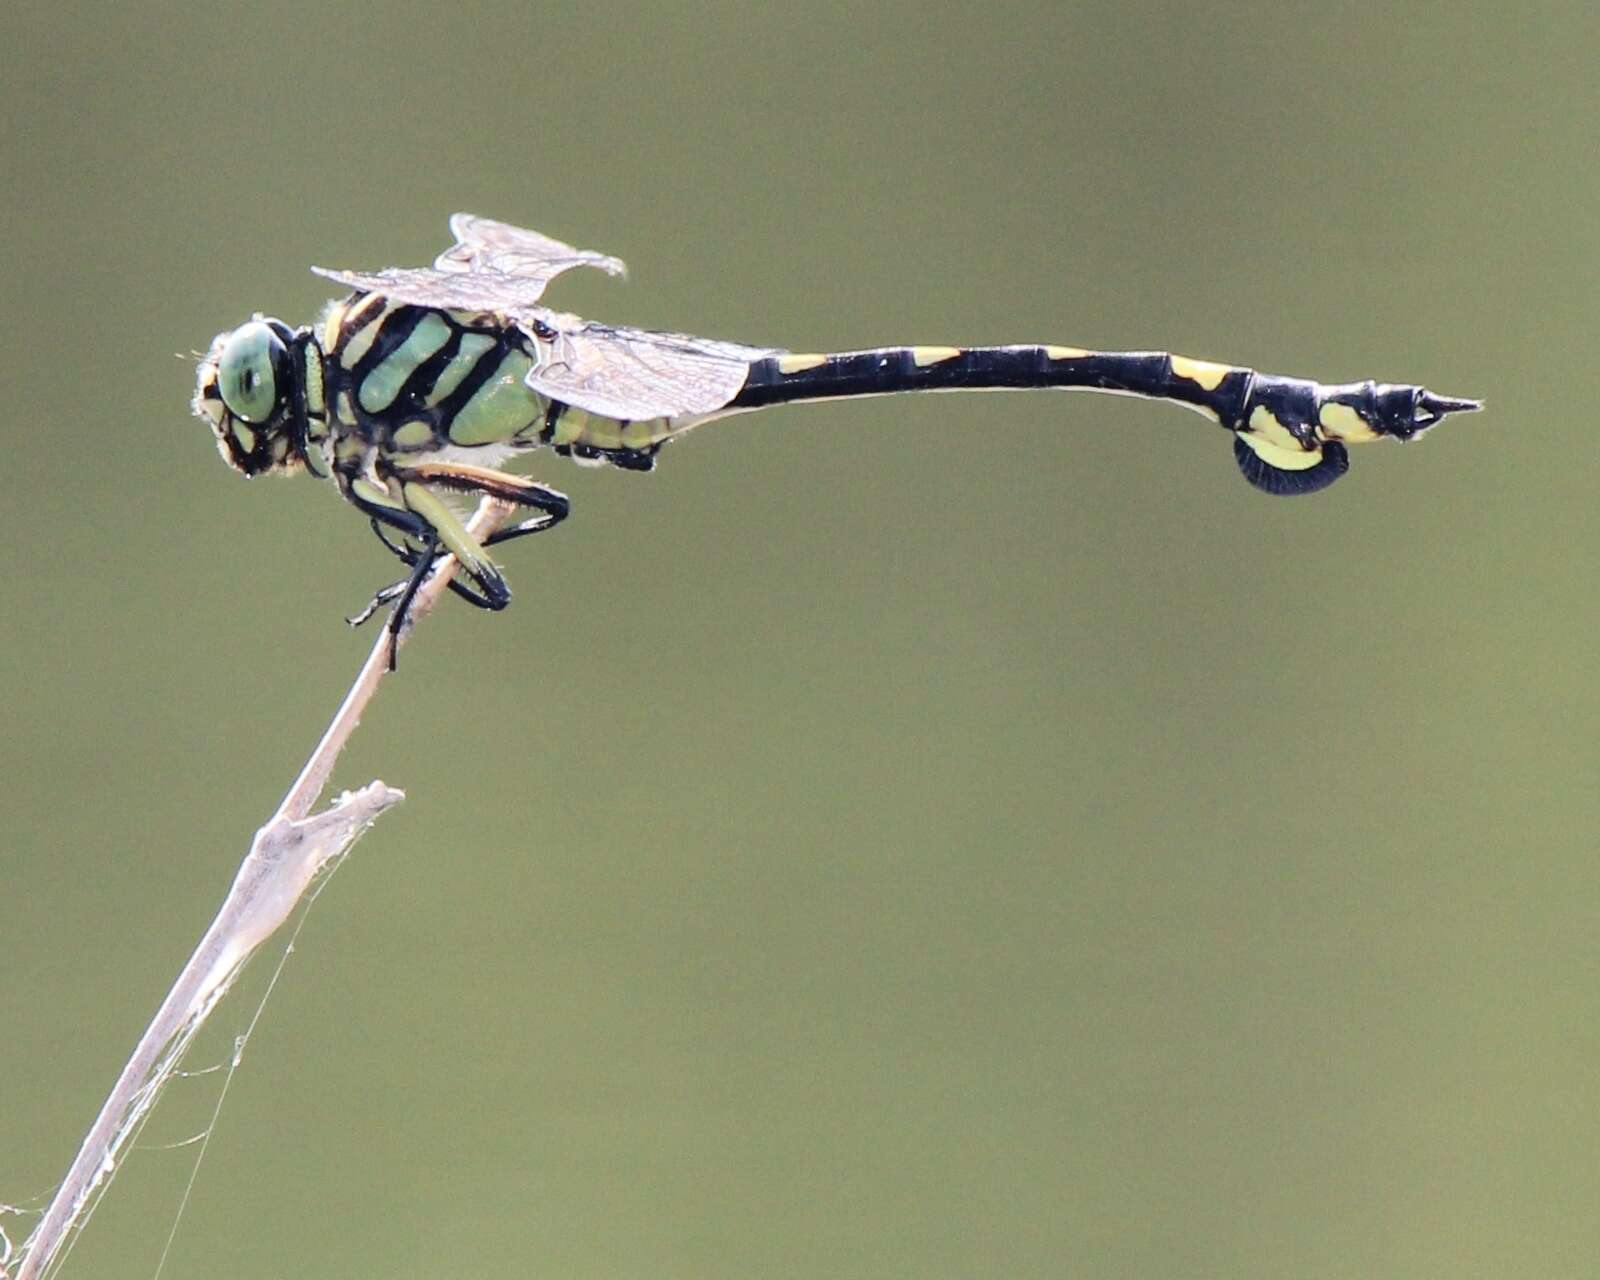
{"points": [[250, 389]]}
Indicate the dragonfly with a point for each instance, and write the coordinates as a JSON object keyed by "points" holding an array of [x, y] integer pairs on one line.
{"points": [[415, 389]]}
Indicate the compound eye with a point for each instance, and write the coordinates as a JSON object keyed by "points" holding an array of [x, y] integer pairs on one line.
{"points": [[248, 371]]}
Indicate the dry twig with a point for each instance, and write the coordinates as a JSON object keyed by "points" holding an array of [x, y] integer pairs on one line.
{"points": [[285, 858]]}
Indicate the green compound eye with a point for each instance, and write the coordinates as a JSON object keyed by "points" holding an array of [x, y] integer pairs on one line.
{"points": [[247, 371]]}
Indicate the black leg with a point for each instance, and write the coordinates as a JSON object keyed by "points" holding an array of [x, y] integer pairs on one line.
{"points": [[535, 524], [397, 619], [488, 589], [408, 556]]}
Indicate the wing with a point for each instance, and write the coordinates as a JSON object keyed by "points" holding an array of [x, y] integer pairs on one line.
{"points": [[483, 244], [493, 266], [628, 374], [634, 374]]}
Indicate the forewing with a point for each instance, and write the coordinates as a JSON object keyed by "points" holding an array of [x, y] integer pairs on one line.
{"points": [[635, 374], [493, 266], [430, 287], [485, 245], [628, 374]]}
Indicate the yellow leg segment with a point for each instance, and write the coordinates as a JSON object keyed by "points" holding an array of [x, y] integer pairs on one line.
{"points": [[466, 549]]}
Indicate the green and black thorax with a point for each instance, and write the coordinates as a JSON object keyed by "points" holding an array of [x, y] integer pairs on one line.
{"points": [[409, 383]]}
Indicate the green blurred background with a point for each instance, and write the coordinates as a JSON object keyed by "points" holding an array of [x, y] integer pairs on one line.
{"points": [[963, 836]]}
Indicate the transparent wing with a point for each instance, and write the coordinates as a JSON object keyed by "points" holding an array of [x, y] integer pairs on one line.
{"points": [[430, 287], [493, 266], [634, 374], [483, 244], [629, 374]]}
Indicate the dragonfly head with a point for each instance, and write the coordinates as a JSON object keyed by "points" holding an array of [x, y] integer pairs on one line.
{"points": [[250, 391]]}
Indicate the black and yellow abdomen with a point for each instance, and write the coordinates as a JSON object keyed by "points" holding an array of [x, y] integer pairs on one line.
{"points": [[1289, 434]]}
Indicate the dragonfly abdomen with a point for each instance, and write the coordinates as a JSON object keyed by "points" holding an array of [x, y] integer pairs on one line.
{"points": [[1290, 433], [1220, 391]]}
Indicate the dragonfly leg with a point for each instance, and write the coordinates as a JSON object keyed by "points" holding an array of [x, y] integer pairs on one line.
{"points": [[421, 515], [404, 591], [397, 617], [409, 556], [551, 505]]}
